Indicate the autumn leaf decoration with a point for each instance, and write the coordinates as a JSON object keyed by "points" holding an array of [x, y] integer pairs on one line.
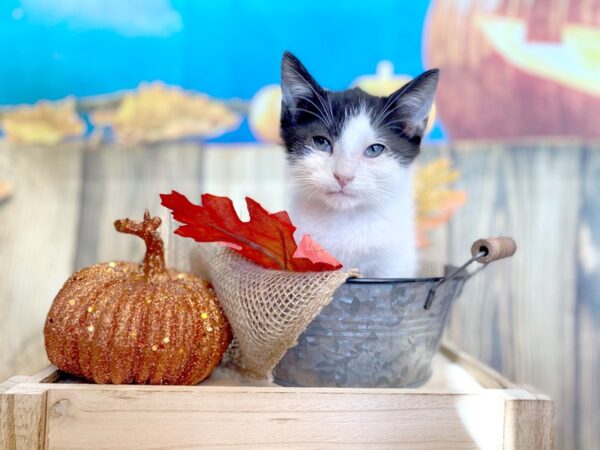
{"points": [[266, 239]]}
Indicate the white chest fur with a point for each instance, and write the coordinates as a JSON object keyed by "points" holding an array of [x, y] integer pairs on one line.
{"points": [[379, 240]]}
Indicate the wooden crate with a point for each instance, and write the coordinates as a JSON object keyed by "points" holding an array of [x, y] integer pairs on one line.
{"points": [[465, 405]]}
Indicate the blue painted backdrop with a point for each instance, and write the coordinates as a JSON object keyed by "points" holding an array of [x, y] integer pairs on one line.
{"points": [[228, 48]]}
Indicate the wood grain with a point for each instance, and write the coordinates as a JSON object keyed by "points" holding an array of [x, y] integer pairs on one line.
{"points": [[452, 412], [519, 314], [496, 248], [123, 182], [22, 418], [587, 357], [485, 376], [241, 171], [37, 247], [213, 417], [433, 258], [529, 424]]}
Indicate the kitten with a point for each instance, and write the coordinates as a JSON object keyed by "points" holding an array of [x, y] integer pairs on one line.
{"points": [[350, 156]]}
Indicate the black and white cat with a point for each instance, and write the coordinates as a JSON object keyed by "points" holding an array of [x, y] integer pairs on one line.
{"points": [[350, 156]]}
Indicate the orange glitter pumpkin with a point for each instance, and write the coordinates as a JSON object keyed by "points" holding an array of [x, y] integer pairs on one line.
{"points": [[121, 322]]}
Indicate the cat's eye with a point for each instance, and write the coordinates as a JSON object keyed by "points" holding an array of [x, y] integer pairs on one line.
{"points": [[322, 143], [374, 150]]}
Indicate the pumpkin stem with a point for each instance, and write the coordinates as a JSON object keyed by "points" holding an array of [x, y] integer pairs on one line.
{"points": [[154, 261]]}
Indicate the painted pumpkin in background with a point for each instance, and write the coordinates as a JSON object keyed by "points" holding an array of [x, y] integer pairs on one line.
{"points": [[516, 68], [121, 322], [263, 116]]}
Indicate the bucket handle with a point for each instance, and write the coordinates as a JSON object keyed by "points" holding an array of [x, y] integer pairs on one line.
{"points": [[483, 251]]}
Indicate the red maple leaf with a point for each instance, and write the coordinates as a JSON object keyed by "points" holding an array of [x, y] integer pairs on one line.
{"points": [[315, 257], [266, 239]]}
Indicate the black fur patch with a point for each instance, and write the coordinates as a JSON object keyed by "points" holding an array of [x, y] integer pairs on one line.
{"points": [[308, 110]]}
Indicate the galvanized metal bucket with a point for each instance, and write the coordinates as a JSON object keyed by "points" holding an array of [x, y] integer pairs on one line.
{"points": [[378, 332]]}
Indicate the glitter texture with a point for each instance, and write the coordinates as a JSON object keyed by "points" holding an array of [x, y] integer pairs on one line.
{"points": [[120, 322]]}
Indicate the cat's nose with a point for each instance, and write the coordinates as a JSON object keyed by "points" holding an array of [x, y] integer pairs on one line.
{"points": [[343, 180]]}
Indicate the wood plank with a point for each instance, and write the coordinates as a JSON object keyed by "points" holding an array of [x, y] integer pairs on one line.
{"points": [[102, 416], [462, 412], [48, 375], [518, 315], [433, 258], [240, 171], [121, 182], [452, 372], [205, 417], [23, 419], [484, 375], [13, 381], [37, 247], [529, 424], [587, 359]]}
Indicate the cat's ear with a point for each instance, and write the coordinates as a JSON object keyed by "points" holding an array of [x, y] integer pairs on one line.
{"points": [[296, 82], [413, 101]]}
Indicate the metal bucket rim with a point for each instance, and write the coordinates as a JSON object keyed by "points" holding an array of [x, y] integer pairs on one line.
{"points": [[399, 280]]}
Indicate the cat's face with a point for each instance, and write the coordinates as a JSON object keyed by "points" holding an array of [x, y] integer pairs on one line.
{"points": [[349, 149]]}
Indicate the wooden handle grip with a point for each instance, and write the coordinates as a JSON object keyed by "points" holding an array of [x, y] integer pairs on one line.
{"points": [[496, 247]]}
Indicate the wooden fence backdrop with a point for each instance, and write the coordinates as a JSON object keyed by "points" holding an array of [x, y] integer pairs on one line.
{"points": [[535, 318]]}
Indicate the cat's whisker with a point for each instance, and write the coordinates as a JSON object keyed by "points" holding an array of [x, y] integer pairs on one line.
{"points": [[389, 102], [317, 94], [396, 107], [330, 107], [314, 114], [401, 125], [321, 112], [309, 191]]}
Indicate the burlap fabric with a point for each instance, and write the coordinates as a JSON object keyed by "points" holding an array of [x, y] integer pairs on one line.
{"points": [[267, 309]]}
